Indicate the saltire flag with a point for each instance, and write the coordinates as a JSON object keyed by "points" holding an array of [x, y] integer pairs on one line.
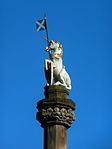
{"points": [[41, 25]]}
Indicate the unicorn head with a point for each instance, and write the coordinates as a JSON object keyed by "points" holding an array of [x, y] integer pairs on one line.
{"points": [[55, 49]]}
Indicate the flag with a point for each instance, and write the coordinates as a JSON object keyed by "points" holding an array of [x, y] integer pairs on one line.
{"points": [[41, 25]]}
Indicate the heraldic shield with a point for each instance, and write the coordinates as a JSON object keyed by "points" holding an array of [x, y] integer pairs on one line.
{"points": [[49, 71]]}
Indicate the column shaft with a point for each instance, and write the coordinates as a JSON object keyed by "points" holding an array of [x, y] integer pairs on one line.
{"points": [[55, 137]]}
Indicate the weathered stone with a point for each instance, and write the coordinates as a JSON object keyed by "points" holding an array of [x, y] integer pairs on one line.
{"points": [[55, 137], [56, 91], [55, 113]]}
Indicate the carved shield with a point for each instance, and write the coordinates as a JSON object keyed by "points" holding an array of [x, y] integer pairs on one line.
{"points": [[48, 71]]}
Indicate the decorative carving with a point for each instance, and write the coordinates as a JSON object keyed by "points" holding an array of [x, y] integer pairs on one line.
{"points": [[56, 108], [65, 116]]}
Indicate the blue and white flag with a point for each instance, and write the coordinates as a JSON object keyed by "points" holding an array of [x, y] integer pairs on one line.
{"points": [[41, 25]]}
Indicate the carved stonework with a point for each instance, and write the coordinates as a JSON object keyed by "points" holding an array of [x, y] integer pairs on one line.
{"points": [[56, 108], [56, 115]]}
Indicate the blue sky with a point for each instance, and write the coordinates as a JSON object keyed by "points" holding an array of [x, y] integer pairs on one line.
{"points": [[84, 29]]}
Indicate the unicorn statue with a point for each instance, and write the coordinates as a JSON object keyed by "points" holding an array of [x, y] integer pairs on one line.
{"points": [[55, 71]]}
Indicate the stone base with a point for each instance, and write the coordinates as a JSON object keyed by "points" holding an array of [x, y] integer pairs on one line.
{"points": [[56, 91]]}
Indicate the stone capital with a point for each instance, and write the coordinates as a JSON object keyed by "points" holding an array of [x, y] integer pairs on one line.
{"points": [[56, 108]]}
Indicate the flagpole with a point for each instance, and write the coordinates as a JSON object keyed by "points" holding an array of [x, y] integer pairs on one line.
{"points": [[46, 27]]}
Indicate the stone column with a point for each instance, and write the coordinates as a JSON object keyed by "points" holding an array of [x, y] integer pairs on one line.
{"points": [[55, 113]]}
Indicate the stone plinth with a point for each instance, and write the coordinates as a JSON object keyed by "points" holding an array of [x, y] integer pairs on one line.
{"points": [[55, 113]]}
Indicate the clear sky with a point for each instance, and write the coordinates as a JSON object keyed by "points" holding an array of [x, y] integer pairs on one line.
{"points": [[84, 27]]}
